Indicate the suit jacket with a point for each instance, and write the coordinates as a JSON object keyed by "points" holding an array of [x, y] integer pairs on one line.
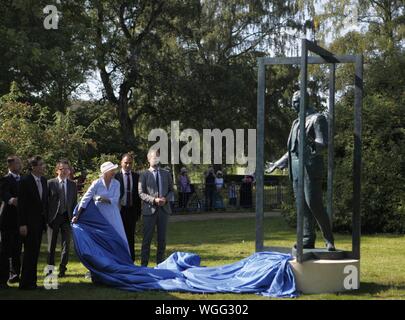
{"points": [[136, 201], [316, 129], [31, 208], [54, 199], [148, 190], [9, 215]]}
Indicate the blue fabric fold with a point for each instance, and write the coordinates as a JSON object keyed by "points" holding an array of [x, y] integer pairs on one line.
{"points": [[102, 251]]}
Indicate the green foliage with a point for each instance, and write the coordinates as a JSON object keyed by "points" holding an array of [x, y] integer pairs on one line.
{"points": [[26, 131]]}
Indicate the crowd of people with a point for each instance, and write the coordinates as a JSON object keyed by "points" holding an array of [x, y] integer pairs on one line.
{"points": [[32, 205]]}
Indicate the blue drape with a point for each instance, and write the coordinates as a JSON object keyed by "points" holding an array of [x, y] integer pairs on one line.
{"points": [[104, 253]]}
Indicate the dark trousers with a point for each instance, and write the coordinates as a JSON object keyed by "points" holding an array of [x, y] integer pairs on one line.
{"points": [[183, 199], [314, 210], [4, 264], [209, 198], [129, 217], [232, 201], [12, 246], [61, 223], [158, 219], [32, 246]]}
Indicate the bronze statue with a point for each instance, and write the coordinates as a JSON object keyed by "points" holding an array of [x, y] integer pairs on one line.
{"points": [[316, 131]]}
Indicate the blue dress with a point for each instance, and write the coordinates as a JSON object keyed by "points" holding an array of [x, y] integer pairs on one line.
{"points": [[110, 212]]}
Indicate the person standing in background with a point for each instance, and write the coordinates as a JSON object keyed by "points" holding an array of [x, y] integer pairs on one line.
{"points": [[32, 217], [62, 200], [130, 201], [10, 235], [184, 188], [155, 188]]}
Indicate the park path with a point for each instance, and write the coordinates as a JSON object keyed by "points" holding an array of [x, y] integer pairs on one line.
{"points": [[218, 215]]}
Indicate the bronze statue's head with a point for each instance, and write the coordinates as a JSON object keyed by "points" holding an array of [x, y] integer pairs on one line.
{"points": [[296, 99]]}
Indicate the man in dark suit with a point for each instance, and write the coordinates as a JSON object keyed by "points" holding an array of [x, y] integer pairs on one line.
{"points": [[32, 217], [9, 229], [4, 265], [62, 199], [130, 201], [155, 189]]}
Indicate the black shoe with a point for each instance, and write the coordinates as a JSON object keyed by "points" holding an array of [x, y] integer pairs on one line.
{"points": [[330, 246], [14, 279], [306, 246], [62, 274]]}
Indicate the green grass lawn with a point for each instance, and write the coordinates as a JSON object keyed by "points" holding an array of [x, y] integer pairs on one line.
{"points": [[221, 242]]}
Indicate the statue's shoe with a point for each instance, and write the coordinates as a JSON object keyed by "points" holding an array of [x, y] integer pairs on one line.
{"points": [[306, 246]]}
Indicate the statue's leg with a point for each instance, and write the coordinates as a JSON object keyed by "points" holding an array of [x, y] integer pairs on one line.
{"points": [[314, 200], [309, 234]]}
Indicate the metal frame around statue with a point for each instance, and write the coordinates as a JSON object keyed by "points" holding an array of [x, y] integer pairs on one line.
{"points": [[324, 57]]}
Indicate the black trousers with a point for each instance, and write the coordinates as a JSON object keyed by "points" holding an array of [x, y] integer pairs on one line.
{"points": [[32, 246], [209, 198], [183, 199], [4, 265], [129, 216], [12, 246], [61, 223]]}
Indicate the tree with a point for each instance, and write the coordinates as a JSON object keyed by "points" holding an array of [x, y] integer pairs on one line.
{"points": [[48, 64], [25, 130]]}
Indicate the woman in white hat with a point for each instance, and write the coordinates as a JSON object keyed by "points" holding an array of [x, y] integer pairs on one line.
{"points": [[105, 192]]}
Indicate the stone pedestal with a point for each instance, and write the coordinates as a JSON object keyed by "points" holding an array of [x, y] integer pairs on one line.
{"points": [[326, 276]]}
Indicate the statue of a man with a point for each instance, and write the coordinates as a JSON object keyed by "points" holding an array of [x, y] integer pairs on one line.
{"points": [[316, 131]]}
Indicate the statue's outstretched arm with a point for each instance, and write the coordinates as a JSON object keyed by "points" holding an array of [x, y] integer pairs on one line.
{"points": [[280, 163]]}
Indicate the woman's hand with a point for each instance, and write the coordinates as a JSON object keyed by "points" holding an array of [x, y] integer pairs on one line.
{"points": [[104, 200], [76, 217]]}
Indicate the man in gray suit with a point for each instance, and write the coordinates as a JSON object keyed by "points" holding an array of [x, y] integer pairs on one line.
{"points": [[155, 188], [62, 199]]}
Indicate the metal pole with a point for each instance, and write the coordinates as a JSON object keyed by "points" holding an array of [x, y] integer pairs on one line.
{"points": [[331, 141], [301, 155], [358, 100], [260, 155]]}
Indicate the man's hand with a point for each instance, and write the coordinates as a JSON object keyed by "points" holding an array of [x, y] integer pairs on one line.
{"points": [[160, 201], [75, 219], [271, 167], [13, 202], [23, 231]]}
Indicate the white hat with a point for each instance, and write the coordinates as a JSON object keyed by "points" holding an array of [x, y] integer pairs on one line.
{"points": [[107, 166]]}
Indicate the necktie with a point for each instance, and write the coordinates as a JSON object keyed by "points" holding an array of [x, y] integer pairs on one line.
{"points": [[17, 178], [157, 182], [63, 197], [128, 191], [39, 185]]}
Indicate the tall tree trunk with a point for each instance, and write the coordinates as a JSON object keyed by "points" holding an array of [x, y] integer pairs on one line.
{"points": [[126, 126]]}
